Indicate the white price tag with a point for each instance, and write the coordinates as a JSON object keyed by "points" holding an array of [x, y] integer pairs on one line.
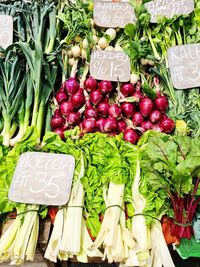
{"points": [[113, 13], [110, 65], [169, 8], [6, 31], [42, 178], [184, 65]]}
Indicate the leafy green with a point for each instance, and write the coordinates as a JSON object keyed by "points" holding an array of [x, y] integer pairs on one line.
{"points": [[170, 165]]}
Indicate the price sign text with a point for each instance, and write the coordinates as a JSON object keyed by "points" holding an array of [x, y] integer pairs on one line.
{"points": [[113, 14], [184, 65], [110, 65], [42, 178], [169, 8]]}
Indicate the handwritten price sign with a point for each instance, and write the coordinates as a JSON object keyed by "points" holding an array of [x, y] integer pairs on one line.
{"points": [[169, 8], [6, 30], [184, 65], [113, 14], [42, 178], [107, 65]]}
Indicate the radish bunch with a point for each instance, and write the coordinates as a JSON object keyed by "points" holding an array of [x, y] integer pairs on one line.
{"points": [[92, 108]]}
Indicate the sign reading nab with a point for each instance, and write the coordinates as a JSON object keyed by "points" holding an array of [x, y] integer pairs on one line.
{"points": [[113, 14], [42, 178]]}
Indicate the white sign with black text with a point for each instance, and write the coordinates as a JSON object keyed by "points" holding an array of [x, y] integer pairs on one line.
{"points": [[169, 8], [6, 31], [42, 178], [110, 65], [184, 65], [113, 14]]}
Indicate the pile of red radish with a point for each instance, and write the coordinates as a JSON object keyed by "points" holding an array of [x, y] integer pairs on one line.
{"points": [[93, 109]]}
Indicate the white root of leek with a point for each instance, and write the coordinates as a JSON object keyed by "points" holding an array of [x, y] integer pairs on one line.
{"points": [[8, 239], [109, 227], [52, 250], [161, 249], [139, 228], [31, 248], [71, 238], [112, 232], [24, 238], [87, 242]]}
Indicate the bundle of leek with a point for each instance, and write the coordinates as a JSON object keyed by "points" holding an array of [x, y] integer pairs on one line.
{"points": [[19, 242]]}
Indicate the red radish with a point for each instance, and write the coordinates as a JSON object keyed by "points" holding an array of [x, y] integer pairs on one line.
{"points": [[66, 126], [146, 106], [66, 108], [88, 125], [155, 116], [127, 89], [78, 100], [90, 84], [130, 135], [60, 132], [110, 125], [112, 134], [168, 125], [114, 111], [105, 87], [90, 112], [62, 88], [57, 112], [103, 108], [57, 121], [61, 96], [100, 124], [158, 127], [161, 103], [71, 86], [138, 95], [73, 118], [137, 119], [95, 97], [122, 126], [147, 125], [127, 109]]}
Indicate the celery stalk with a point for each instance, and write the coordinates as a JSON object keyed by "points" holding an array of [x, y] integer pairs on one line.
{"points": [[55, 239]]}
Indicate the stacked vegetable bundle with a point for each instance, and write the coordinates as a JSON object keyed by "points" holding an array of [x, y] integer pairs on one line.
{"points": [[105, 209]]}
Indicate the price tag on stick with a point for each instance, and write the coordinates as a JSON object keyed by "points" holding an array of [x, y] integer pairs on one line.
{"points": [[113, 14], [110, 65], [169, 8], [184, 65], [6, 31], [42, 178]]}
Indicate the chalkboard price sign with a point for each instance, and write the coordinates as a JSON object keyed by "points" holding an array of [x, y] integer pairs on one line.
{"points": [[184, 65], [42, 178], [110, 65], [169, 8], [6, 30], [113, 13]]}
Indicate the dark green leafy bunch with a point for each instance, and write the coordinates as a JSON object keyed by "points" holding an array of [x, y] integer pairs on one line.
{"points": [[170, 168], [76, 21]]}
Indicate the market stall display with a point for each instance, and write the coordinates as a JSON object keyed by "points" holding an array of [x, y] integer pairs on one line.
{"points": [[100, 119]]}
